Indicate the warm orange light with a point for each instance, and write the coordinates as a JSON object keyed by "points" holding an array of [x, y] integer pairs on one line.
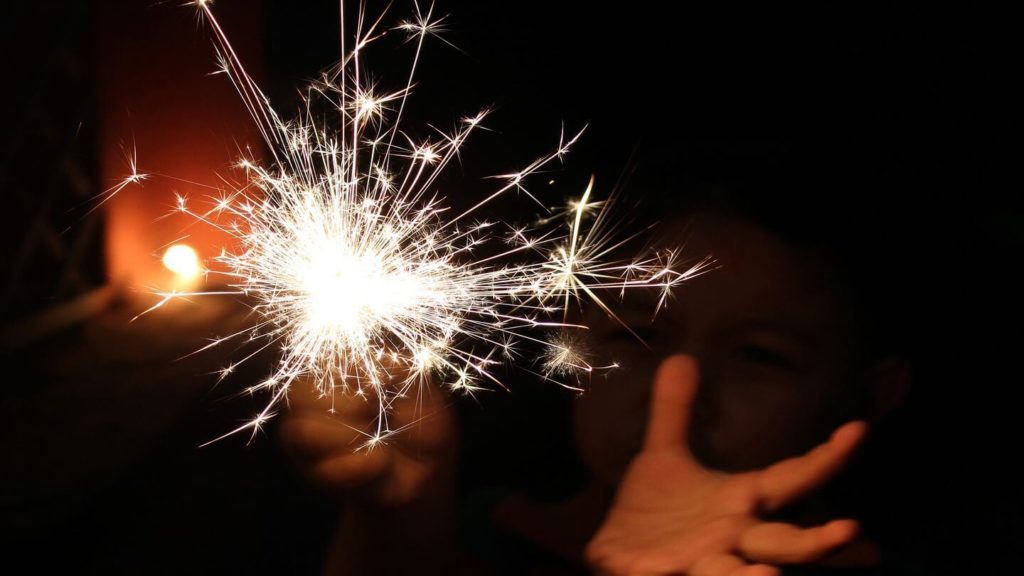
{"points": [[183, 261], [148, 62]]}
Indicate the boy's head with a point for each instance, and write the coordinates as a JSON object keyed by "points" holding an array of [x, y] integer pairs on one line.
{"points": [[786, 337]]}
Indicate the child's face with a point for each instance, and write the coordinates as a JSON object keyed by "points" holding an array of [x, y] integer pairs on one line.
{"points": [[775, 344]]}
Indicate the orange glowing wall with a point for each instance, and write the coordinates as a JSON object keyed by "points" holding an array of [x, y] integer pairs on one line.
{"points": [[156, 94]]}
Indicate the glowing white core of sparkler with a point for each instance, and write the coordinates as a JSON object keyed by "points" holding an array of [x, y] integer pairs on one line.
{"points": [[352, 293]]}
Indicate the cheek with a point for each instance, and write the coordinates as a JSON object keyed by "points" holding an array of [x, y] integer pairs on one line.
{"points": [[745, 423]]}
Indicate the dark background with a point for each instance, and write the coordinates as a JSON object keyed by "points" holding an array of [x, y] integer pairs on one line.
{"points": [[905, 120]]}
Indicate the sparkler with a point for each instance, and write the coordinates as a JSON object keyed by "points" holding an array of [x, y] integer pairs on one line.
{"points": [[361, 277]]}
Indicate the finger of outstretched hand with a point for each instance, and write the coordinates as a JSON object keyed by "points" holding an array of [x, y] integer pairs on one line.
{"points": [[672, 395], [782, 543], [791, 479]]}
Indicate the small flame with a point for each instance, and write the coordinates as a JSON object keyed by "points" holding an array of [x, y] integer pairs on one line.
{"points": [[183, 261]]}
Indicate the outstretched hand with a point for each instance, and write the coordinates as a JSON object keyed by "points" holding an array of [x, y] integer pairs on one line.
{"points": [[671, 515]]}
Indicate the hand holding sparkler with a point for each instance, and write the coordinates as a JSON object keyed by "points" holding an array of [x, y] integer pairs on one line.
{"points": [[672, 515], [321, 433], [398, 499]]}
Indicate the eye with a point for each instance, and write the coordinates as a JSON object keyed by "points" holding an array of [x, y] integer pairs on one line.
{"points": [[764, 356]]}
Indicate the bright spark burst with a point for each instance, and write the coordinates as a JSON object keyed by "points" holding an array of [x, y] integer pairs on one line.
{"points": [[567, 354], [361, 278]]}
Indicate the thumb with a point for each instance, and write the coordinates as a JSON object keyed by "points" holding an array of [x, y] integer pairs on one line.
{"points": [[675, 386]]}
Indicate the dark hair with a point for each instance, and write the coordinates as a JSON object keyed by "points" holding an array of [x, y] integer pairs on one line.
{"points": [[845, 213]]}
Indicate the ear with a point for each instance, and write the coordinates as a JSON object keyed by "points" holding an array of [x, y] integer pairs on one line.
{"points": [[888, 384]]}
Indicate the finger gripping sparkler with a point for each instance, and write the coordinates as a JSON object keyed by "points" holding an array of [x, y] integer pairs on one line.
{"points": [[362, 279]]}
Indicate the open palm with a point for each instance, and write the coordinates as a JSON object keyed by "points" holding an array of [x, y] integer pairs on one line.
{"points": [[673, 516]]}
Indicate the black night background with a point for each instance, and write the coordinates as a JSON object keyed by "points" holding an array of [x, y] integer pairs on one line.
{"points": [[887, 134]]}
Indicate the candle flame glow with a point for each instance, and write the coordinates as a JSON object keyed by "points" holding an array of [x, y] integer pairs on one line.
{"points": [[183, 261]]}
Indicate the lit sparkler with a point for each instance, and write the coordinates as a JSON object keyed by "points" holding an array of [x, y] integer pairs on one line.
{"points": [[360, 276]]}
